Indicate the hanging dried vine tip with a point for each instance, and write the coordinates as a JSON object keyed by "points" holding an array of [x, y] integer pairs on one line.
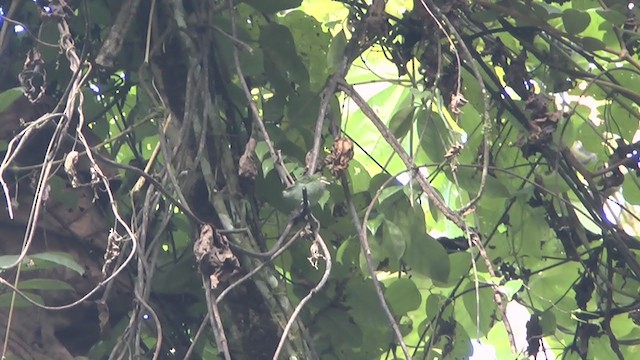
{"points": [[70, 162], [341, 155], [214, 257], [33, 77]]}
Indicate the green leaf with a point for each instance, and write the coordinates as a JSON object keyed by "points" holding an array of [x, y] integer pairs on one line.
{"points": [[44, 284], [487, 306], [469, 179], [403, 296], [462, 347], [8, 97], [548, 323], [612, 16], [554, 183], [302, 110], [434, 308], [394, 240], [279, 48], [60, 258], [60, 192], [340, 328], [402, 120], [484, 16], [271, 6], [427, 257], [312, 44], [460, 265], [600, 348], [5, 299], [433, 134], [631, 191], [512, 287], [336, 51], [7, 260], [365, 309], [575, 21], [592, 44]]}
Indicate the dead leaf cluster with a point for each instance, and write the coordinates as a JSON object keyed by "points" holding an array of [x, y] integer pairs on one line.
{"points": [[341, 155]]}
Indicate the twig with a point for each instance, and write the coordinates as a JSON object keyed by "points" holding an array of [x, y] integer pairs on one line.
{"points": [[26, 28], [156, 353], [275, 248], [253, 271], [234, 39], [484, 93], [285, 177], [366, 250], [195, 339], [3, 31], [147, 50], [452, 216], [216, 322], [397, 147], [352, 50], [320, 285], [113, 44]]}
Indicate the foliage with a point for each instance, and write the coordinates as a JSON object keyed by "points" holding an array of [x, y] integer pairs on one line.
{"points": [[478, 154]]}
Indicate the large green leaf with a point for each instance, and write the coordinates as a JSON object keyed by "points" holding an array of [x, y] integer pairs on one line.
{"points": [[481, 300], [44, 284], [403, 296], [312, 44], [7, 97], [280, 50], [433, 133], [60, 258], [394, 240], [366, 312], [340, 329], [5, 299], [336, 51], [402, 121], [427, 257], [43, 261], [575, 21]]}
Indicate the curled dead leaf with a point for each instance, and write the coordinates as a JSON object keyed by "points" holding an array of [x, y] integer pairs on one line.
{"points": [[214, 257], [341, 155], [247, 165]]}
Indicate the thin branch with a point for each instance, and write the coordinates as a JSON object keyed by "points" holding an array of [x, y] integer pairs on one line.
{"points": [[397, 147], [195, 339], [216, 322], [366, 250], [285, 177], [253, 271], [484, 93], [316, 289], [113, 44]]}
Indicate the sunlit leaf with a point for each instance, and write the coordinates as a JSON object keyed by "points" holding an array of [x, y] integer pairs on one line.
{"points": [[512, 287]]}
